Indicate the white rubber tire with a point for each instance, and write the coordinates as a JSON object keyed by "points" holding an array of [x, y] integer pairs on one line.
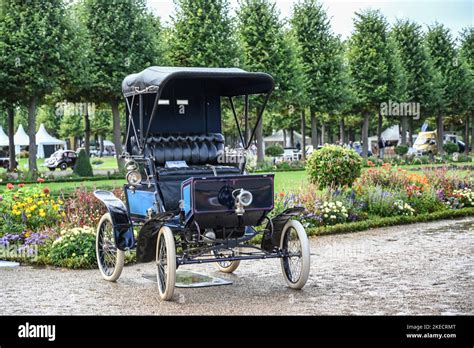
{"points": [[119, 254], [166, 292], [229, 269], [303, 276]]}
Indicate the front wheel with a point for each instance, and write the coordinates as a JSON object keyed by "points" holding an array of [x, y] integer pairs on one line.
{"points": [[166, 263], [226, 266], [109, 258], [296, 262]]}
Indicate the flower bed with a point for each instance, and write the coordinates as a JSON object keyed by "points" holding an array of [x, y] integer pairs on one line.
{"points": [[39, 228], [383, 192]]}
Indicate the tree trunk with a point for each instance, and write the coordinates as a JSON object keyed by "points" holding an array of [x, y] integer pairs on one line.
{"points": [[117, 133], [404, 124], [323, 130], [365, 135], [472, 132], [410, 132], [101, 141], [259, 136], [303, 135], [285, 143], [440, 132], [466, 134], [292, 138], [11, 136], [87, 131], [379, 126], [342, 131], [33, 168], [330, 135], [314, 129]]}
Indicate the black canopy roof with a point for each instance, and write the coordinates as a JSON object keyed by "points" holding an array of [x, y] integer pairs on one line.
{"points": [[227, 82]]}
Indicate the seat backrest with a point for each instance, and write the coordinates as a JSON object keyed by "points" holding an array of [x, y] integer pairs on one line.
{"points": [[197, 149]]}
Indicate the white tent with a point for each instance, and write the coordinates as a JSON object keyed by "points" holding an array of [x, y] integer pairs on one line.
{"points": [[390, 134], [20, 139], [3, 138], [46, 143], [279, 138]]}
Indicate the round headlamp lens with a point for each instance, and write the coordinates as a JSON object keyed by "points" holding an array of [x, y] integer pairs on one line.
{"points": [[134, 177]]}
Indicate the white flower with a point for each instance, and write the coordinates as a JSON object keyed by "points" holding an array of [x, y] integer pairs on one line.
{"points": [[333, 217], [339, 204]]}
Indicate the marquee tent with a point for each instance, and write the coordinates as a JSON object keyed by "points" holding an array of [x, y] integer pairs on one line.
{"points": [[3, 138], [46, 143]]}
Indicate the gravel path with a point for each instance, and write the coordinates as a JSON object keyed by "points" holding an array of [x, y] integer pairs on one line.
{"points": [[424, 268]]}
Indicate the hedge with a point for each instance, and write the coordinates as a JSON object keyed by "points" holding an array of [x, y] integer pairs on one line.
{"points": [[388, 221]]}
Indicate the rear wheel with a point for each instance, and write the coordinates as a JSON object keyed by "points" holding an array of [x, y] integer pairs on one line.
{"points": [[225, 266], [109, 258], [295, 244], [63, 166], [166, 263]]}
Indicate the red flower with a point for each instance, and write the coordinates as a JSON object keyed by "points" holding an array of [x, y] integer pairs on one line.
{"points": [[21, 185], [10, 186], [281, 194], [40, 180], [46, 190]]}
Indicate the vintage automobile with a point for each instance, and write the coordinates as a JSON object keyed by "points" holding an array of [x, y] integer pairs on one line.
{"points": [[62, 159], [186, 201]]}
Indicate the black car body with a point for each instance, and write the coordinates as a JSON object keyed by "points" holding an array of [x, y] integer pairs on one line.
{"points": [[61, 159]]}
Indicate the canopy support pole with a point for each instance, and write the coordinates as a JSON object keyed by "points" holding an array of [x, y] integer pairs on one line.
{"points": [[259, 119], [140, 113], [246, 119], [237, 122], [153, 112], [130, 121]]}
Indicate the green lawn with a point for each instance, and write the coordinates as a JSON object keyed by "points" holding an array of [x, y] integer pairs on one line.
{"points": [[108, 163], [284, 181]]}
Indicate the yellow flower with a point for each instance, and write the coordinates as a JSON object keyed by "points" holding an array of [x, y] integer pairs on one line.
{"points": [[28, 215], [33, 207], [42, 213], [29, 200]]}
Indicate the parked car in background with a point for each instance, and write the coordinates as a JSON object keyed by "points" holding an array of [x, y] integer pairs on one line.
{"points": [[5, 163], [61, 159], [456, 139]]}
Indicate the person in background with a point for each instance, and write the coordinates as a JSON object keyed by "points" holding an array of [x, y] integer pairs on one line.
{"points": [[381, 147]]}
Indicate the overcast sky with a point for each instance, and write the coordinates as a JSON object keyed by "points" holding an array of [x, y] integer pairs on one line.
{"points": [[455, 14]]}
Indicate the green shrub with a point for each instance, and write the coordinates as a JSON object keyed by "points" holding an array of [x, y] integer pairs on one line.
{"points": [[74, 249], [450, 148], [334, 166], [401, 150], [274, 151], [421, 160], [83, 166]]}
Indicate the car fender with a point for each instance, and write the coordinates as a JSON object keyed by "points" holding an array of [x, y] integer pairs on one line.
{"points": [[122, 225], [274, 228]]}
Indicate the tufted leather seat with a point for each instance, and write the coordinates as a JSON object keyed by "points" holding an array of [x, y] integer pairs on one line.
{"points": [[199, 151], [194, 149]]}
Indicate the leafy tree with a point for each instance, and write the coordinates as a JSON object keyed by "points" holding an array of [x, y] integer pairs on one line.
{"points": [[467, 55], [33, 55], [375, 71], [320, 53], [122, 42], [415, 60], [443, 54], [202, 34], [261, 39]]}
